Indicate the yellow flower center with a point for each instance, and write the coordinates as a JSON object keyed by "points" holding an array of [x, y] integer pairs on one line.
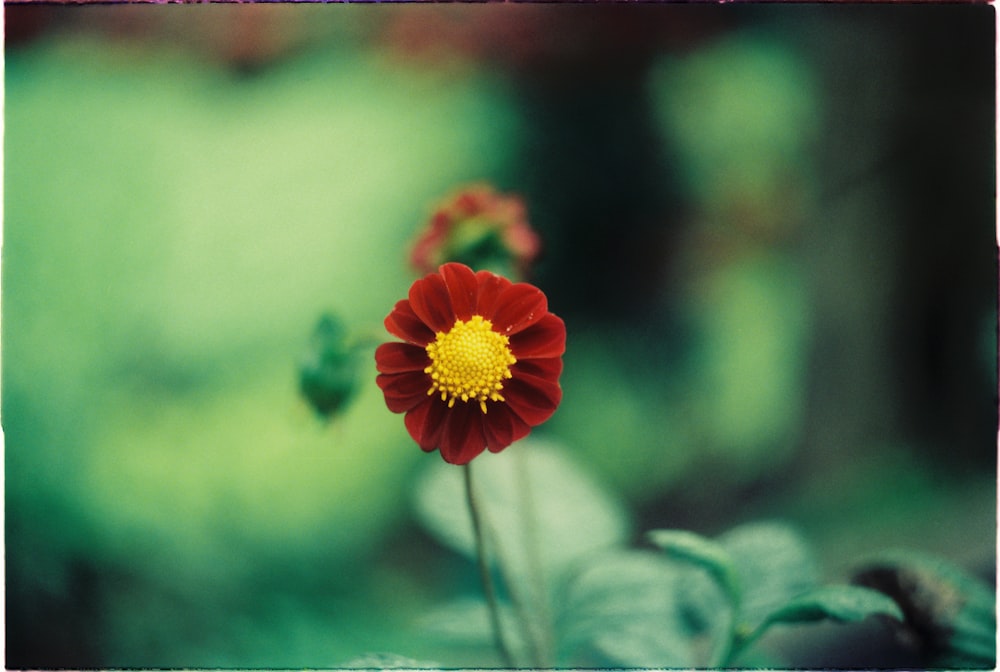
{"points": [[470, 361]]}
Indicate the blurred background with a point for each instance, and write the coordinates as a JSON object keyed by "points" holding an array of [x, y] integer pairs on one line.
{"points": [[770, 231]]}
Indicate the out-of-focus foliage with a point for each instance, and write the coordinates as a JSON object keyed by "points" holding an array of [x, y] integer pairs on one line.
{"points": [[743, 115], [542, 515], [171, 233], [576, 516], [576, 596], [765, 574], [621, 609], [949, 614], [760, 227]]}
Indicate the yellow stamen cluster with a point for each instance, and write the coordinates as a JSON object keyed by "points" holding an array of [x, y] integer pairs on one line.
{"points": [[470, 361]]}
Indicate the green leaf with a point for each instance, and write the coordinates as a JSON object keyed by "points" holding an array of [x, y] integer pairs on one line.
{"points": [[708, 614], [621, 609], [466, 622], [774, 565], [845, 604], [760, 567], [703, 552], [532, 497], [540, 512], [387, 661]]}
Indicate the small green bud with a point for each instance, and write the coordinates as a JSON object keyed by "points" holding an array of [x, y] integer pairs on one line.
{"points": [[328, 371]]}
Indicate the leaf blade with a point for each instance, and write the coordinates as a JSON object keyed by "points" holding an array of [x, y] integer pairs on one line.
{"points": [[844, 604], [703, 552]]}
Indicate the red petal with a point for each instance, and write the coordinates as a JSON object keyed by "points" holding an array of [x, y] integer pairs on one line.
{"points": [[491, 286], [547, 369], [545, 338], [403, 391], [431, 303], [400, 358], [462, 438], [425, 422], [405, 324], [517, 308], [503, 427], [462, 289], [534, 399]]}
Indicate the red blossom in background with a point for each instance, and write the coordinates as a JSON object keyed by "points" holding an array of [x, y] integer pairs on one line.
{"points": [[479, 365], [479, 227]]}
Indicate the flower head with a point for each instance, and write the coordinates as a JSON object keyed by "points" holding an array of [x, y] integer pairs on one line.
{"points": [[479, 363], [480, 228]]}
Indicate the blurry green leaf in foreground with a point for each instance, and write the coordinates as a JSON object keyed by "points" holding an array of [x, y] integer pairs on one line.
{"points": [[950, 616], [702, 552], [620, 609], [838, 603], [540, 515], [465, 623], [328, 372], [387, 661], [531, 495], [774, 565], [758, 566], [844, 604]]}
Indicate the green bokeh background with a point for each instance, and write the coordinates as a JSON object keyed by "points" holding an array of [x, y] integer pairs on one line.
{"points": [[806, 259]]}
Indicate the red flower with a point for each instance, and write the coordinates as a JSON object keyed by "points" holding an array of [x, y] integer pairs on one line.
{"points": [[478, 227], [480, 363]]}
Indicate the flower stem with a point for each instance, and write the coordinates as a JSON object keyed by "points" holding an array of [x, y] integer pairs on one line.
{"points": [[542, 649], [733, 638], [484, 571]]}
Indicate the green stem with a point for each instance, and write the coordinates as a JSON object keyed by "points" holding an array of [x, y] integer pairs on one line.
{"points": [[729, 646], [533, 588], [542, 650], [484, 571], [523, 616], [734, 641], [738, 640]]}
